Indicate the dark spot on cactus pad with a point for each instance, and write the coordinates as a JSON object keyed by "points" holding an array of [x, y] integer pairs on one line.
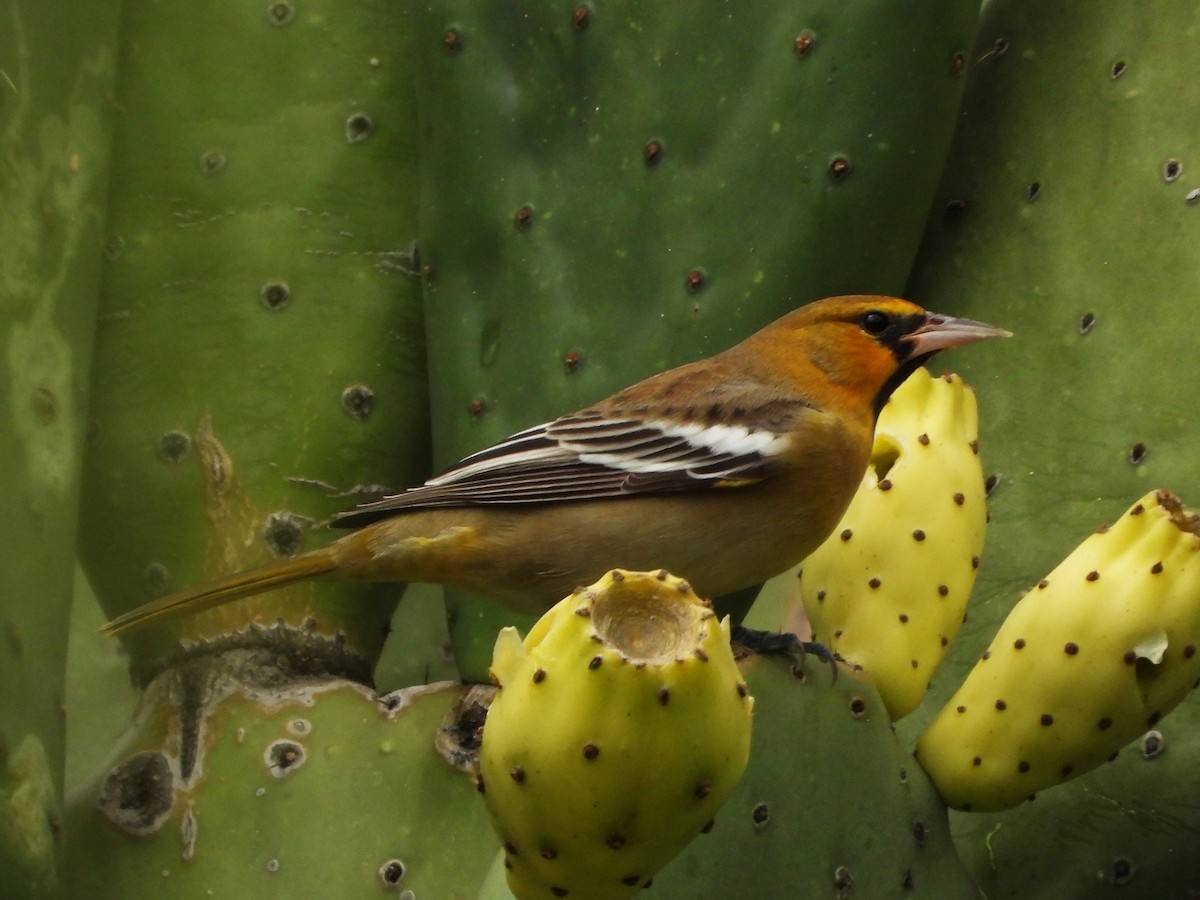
{"points": [[479, 785], [1071, 648], [945, 641], [885, 484], [974, 562], [1104, 724], [652, 153], [700, 654], [874, 583], [1112, 757], [1189, 651], [172, 447], [839, 169], [743, 690], [1137, 453], [943, 590], [392, 872], [138, 794], [1019, 644], [510, 848], [821, 596], [517, 773], [760, 816], [1032, 192], [858, 706], [280, 13], [846, 534], [452, 40], [1001, 706], [1157, 568], [275, 295], [477, 407], [920, 832], [212, 162], [1154, 718], [1087, 322], [590, 751], [918, 535], [1043, 584], [594, 662], [583, 612], [1153, 744], [843, 882], [358, 401], [283, 757], [708, 826], [573, 359], [359, 127], [1047, 720], [695, 281], [907, 883], [1117, 69], [987, 654], [960, 709], [959, 499], [523, 218], [1092, 575], [990, 483], [1121, 871], [914, 663], [1130, 657], [958, 63], [539, 675], [977, 761], [997, 51], [923, 440], [955, 210], [903, 618], [903, 775], [703, 789], [664, 695], [581, 18], [1066, 771], [283, 533], [804, 43], [615, 842], [631, 879], [158, 579], [559, 891], [548, 852], [1172, 168]]}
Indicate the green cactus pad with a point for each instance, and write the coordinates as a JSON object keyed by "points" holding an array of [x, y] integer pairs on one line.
{"points": [[1093, 656], [620, 726], [888, 590]]}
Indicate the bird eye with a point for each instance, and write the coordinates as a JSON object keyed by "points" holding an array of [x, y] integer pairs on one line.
{"points": [[875, 322]]}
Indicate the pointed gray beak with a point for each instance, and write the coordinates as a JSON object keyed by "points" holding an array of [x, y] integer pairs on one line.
{"points": [[940, 332]]}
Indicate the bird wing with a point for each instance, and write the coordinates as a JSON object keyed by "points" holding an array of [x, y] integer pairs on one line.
{"points": [[593, 455]]}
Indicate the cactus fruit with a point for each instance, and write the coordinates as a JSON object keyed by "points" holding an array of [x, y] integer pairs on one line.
{"points": [[1087, 661], [889, 588], [620, 726]]}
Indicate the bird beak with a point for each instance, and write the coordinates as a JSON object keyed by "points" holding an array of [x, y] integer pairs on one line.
{"points": [[939, 332]]}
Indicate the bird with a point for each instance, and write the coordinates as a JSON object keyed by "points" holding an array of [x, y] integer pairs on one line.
{"points": [[724, 471]]}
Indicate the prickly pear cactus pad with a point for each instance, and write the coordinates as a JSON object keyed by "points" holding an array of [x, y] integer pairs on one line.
{"points": [[621, 724], [1094, 655], [889, 588]]}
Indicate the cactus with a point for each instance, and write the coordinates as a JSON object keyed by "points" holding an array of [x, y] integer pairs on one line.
{"points": [[55, 135], [888, 590], [1097, 653], [616, 190], [620, 726], [320, 790], [1062, 217], [831, 804]]}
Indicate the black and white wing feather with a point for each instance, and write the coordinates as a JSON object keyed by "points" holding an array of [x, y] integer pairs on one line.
{"points": [[591, 456]]}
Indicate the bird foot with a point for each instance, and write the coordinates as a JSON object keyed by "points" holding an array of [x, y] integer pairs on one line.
{"points": [[784, 643]]}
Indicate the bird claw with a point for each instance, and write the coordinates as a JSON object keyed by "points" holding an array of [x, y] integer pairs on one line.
{"points": [[777, 643]]}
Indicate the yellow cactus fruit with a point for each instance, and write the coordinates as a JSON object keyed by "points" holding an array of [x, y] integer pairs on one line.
{"points": [[620, 726], [1094, 655], [889, 587]]}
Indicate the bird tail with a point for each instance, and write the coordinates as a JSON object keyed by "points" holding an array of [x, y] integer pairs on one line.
{"points": [[223, 590]]}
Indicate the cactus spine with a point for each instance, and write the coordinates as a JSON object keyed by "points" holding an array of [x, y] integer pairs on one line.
{"points": [[620, 726]]}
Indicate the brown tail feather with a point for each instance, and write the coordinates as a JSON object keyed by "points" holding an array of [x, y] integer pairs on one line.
{"points": [[223, 590]]}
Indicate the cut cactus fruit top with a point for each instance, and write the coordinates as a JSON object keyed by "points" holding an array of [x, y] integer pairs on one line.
{"points": [[1100, 650], [621, 725]]}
